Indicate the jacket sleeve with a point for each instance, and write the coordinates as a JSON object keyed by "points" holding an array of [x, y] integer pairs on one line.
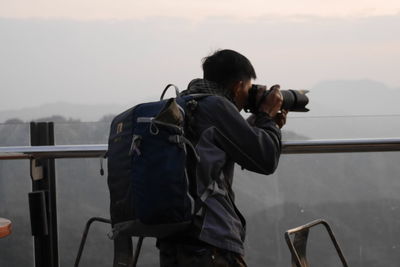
{"points": [[256, 148]]}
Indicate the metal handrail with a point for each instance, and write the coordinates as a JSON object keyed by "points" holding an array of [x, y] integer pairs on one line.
{"points": [[288, 147], [58, 151], [341, 146]]}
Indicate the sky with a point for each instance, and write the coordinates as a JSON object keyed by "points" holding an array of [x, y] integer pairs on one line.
{"points": [[193, 9], [119, 52]]}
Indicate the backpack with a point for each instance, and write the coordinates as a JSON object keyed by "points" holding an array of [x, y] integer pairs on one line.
{"points": [[147, 176]]}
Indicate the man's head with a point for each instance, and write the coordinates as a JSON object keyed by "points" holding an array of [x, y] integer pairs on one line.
{"points": [[232, 71]]}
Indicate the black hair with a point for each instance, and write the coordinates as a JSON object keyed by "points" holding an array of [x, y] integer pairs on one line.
{"points": [[226, 67]]}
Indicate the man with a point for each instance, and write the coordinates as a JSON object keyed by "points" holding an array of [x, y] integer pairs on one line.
{"points": [[222, 138]]}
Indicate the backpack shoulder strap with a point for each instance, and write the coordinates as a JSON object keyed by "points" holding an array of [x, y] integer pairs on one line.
{"points": [[178, 94], [199, 95]]}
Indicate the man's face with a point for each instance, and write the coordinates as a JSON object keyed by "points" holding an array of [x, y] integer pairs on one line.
{"points": [[241, 93]]}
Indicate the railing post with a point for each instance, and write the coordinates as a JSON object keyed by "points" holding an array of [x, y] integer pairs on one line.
{"points": [[42, 200]]}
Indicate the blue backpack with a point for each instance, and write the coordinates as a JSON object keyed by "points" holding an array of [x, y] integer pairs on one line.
{"points": [[150, 191]]}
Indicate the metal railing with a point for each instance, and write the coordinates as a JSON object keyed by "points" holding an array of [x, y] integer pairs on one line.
{"points": [[288, 147]]}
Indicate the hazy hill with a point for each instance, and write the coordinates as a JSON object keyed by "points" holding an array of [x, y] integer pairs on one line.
{"points": [[353, 97], [327, 98], [349, 109], [68, 110]]}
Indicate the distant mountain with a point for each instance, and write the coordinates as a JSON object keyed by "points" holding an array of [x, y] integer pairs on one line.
{"points": [[353, 97], [349, 109], [68, 110], [327, 98], [337, 111]]}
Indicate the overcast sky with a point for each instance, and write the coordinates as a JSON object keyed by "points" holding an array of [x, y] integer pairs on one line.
{"points": [[131, 9], [115, 51]]}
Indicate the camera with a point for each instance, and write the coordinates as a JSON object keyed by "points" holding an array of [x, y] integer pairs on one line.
{"points": [[293, 100]]}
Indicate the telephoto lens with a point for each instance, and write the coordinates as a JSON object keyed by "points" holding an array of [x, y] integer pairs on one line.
{"points": [[293, 100]]}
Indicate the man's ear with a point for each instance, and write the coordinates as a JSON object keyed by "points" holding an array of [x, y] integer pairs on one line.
{"points": [[236, 87]]}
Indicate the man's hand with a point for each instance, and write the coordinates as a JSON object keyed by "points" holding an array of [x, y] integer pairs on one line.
{"points": [[272, 105], [273, 102], [280, 118]]}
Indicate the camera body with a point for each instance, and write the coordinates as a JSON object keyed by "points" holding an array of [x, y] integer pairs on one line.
{"points": [[293, 100]]}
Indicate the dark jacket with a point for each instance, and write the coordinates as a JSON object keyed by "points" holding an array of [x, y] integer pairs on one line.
{"points": [[223, 138]]}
